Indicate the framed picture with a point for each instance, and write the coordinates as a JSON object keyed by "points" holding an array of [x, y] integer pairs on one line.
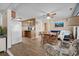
{"points": [[13, 14], [59, 24]]}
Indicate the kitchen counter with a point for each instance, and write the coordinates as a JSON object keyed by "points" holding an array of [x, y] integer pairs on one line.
{"points": [[2, 36]]}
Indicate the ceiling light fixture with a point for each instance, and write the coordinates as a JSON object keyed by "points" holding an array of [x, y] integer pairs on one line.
{"points": [[18, 19], [48, 17]]}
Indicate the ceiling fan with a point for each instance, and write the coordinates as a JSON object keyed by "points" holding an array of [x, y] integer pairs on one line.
{"points": [[45, 14], [49, 14]]}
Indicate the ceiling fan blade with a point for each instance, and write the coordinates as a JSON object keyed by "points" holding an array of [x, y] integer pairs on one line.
{"points": [[43, 16], [43, 11], [54, 14]]}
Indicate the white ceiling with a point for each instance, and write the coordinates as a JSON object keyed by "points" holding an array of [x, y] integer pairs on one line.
{"points": [[28, 10], [5, 6]]}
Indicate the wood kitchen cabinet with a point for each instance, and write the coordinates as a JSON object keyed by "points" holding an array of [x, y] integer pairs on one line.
{"points": [[27, 34]]}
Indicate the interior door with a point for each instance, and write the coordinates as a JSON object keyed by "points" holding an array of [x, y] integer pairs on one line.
{"points": [[16, 32]]}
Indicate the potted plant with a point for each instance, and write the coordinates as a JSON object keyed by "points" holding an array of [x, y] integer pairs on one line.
{"points": [[2, 31]]}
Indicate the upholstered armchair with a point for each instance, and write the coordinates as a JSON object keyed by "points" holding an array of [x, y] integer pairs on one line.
{"points": [[62, 49], [51, 50], [68, 48]]}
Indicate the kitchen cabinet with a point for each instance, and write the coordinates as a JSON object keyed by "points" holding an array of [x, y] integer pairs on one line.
{"points": [[27, 34], [2, 44]]}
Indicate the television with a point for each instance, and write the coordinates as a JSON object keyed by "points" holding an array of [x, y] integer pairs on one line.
{"points": [[59, 24]]}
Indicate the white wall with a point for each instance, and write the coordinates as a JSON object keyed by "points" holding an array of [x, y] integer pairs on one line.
{"points": [[0, 19], [14, 33], [8, 28], [39, 27], [77, 32]]}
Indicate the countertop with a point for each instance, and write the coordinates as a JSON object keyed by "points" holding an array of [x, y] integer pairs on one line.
{"points": [[2, 36]]}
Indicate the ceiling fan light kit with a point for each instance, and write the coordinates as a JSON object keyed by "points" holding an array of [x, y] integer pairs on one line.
{"points": [[51, 14], [48, 17]]}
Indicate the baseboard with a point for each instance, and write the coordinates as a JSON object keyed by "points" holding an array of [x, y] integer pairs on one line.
{"points": [[9, 53], [16, 42]]}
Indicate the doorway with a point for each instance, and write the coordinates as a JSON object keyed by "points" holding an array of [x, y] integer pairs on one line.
{"points": [[28, 28]]}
